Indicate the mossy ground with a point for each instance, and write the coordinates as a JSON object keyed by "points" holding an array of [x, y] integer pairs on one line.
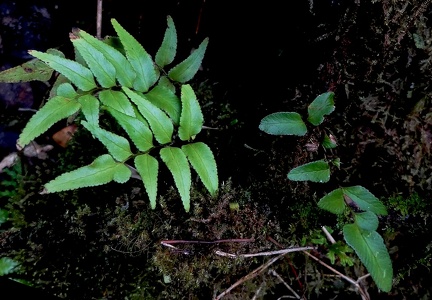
{"points": [[105, 242]]}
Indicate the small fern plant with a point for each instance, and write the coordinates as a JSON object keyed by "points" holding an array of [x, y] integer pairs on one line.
{"points": [[357, 202], [158, 112]]}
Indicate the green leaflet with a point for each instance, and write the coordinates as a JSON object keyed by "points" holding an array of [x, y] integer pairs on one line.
{"points": [[202, 160], [366, 220], [147, 166], [75, 72], [329, 143], [31, 70], [372, 251], [124, 72], [34, 69], [141, 61], [117, 145], [118, 101], [340, 250], [333, 202], [138, 132], [66, 90], [102, 69], [176, 161], [191, 118], [90, 108], [283, 123], [4, 214], [54, 110], [321, 106], [316, 171], [61, 79], [187, 69], [7, 266], [166, 100], [101, 171], [139, 116], [166, 83], [167, 50], [160, 124], [365, 199]]}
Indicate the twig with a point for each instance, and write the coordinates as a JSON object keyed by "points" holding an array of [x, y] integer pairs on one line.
{"points": [[257, 292], [170, 242], [251, 275], [27, 109], [362, 292], [328, 235], [99, 19], [209, 128], [273, 272], [269, 238], [284, 251]]}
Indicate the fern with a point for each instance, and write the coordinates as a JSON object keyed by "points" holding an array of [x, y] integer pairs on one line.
{"points": [[362, 235], [153, 110]]}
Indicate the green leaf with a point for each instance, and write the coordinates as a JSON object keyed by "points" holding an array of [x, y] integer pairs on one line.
{"points": [[366, 220], [333, 202], [66, 90], [202, 160], [187, 69], [4, 215], [102, 69], [160, 124], [166, 100], [191, 118], [75, 72], [124, 72], [118, 101], [176, 161], [166, 83], [117, 145], [90, 108], [7, 266], [339, 249], [141, 61], [54, 110], [317, 171], [283, 123], [321, 106], [365, 199], [139, 133], [372, 251], [167, 50], [29, 71], [329, 142], [101, 171], [34, 69], [58, 82], [147, 167]]}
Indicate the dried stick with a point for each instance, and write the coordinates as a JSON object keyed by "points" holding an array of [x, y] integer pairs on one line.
{"points": [[251, 275], [99, 19], [273, 272], [328, 235], [269, 238], [169, 243], [268, 253], [362, 292]]}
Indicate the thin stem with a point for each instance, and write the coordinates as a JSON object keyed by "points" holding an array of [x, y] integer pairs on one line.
{"points": [[99, 19], [268, 253], [362, 292], [251, 275], [273, 272]]}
